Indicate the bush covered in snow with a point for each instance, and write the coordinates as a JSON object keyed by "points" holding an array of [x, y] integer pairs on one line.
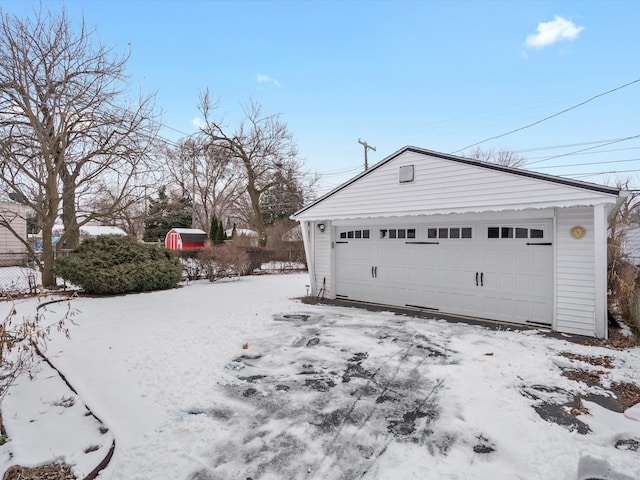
{"points": [[112, 264]]}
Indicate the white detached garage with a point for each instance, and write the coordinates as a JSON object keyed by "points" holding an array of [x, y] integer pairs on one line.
{"points": [[431, 231]]}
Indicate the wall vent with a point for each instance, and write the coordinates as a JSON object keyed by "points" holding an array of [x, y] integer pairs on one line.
{"points": [[406, 174]]}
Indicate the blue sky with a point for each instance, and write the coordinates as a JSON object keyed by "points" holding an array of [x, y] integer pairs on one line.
{"points": [[440, 75]]}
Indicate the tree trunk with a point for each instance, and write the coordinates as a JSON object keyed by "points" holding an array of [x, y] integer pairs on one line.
{"points": [[48, 276], [258, 221], [48, 220], [69, 219]]}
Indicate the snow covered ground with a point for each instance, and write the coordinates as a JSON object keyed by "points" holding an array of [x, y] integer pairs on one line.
{"points": [[319, 392]]}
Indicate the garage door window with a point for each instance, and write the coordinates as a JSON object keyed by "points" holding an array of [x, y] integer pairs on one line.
{"points": [[514, 232], [449, 232], [395, 233], [357, 234]]}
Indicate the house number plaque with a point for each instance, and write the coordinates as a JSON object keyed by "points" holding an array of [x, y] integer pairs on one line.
{"points": [[578, 232]]}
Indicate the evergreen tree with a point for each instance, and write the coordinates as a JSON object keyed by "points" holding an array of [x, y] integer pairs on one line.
{"points": [[216, 232], [221, 235], [213, 230], [164, 214]]}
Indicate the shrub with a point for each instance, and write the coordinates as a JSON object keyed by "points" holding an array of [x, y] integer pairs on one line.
{"points": [[191, 265], [112, 264], [224, 261]]}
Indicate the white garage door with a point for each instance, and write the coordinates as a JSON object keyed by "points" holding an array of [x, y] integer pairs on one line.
{"points": [[500, 271]]}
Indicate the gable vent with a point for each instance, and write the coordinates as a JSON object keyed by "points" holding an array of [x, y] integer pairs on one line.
{"points": [[406, 174]]}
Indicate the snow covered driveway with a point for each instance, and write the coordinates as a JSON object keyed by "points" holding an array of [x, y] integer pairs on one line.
{"points": [[326, 392]]}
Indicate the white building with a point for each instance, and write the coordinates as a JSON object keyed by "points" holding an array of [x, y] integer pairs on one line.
{"points": [[435, 232], [15, 216]]}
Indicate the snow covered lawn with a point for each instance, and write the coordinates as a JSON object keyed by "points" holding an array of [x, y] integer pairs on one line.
{"points": [[319, 392]]}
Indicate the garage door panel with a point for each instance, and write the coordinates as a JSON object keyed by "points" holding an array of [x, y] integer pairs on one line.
{"points": [[387, 274], [443, 257], [455, 278], [488, 306], [514, 280], [507, 257], [522, 283], [431, 256], [415, 275], [469, 256], [538, 255], [539, 313], [444, 280], [456, 301], [456, 259], [431, 278], [468, 279], [540, 284], [469, 304], [506, 307], [524, 262], [491, 256], [522, 310], [506, 281], [488, 280]]}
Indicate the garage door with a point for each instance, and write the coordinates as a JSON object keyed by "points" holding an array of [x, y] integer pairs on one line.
{"points": [[498, 271]]}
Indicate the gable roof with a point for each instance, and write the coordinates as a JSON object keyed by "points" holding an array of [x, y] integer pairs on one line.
{"points": [[188, 230], [591, 191], [189, 235]]}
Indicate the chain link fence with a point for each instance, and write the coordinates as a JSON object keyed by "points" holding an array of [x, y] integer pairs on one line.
{"points": [[20, 274]]}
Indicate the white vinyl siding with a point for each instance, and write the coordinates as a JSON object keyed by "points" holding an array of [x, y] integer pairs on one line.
{"points": [[575, 278], [15, 214], [322, 268], [442, 186]]}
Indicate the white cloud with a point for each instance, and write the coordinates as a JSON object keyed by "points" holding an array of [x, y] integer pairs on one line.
{"points": [[557, 30], [197, 122], [267, 79]]}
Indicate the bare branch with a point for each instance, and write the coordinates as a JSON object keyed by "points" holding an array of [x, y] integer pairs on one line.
{"points": [[65, 128]]}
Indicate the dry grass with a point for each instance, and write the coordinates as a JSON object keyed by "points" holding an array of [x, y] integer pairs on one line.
{"points": [[603, 361], [628, 394]]}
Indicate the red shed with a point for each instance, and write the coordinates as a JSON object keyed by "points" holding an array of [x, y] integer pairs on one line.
{"points": [[179, 238]]}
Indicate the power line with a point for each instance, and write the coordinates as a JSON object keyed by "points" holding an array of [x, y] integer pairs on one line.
{"points": [[567, 145], [600, 152], [590, 163], [584, 149], [550, 116], [340, 172], [594, 174]]}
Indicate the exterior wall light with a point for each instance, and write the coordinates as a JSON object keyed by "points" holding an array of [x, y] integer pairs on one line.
{"points": [[321, 227]]}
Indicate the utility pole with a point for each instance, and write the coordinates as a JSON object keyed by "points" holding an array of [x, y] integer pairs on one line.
{"points": [[366, 147], [193, 192]]}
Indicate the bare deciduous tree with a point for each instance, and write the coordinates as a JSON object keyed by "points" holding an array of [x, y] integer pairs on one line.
{"points": [[622, 274], [504, 157], [263, 147], [208, 173], [67, 131]]}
